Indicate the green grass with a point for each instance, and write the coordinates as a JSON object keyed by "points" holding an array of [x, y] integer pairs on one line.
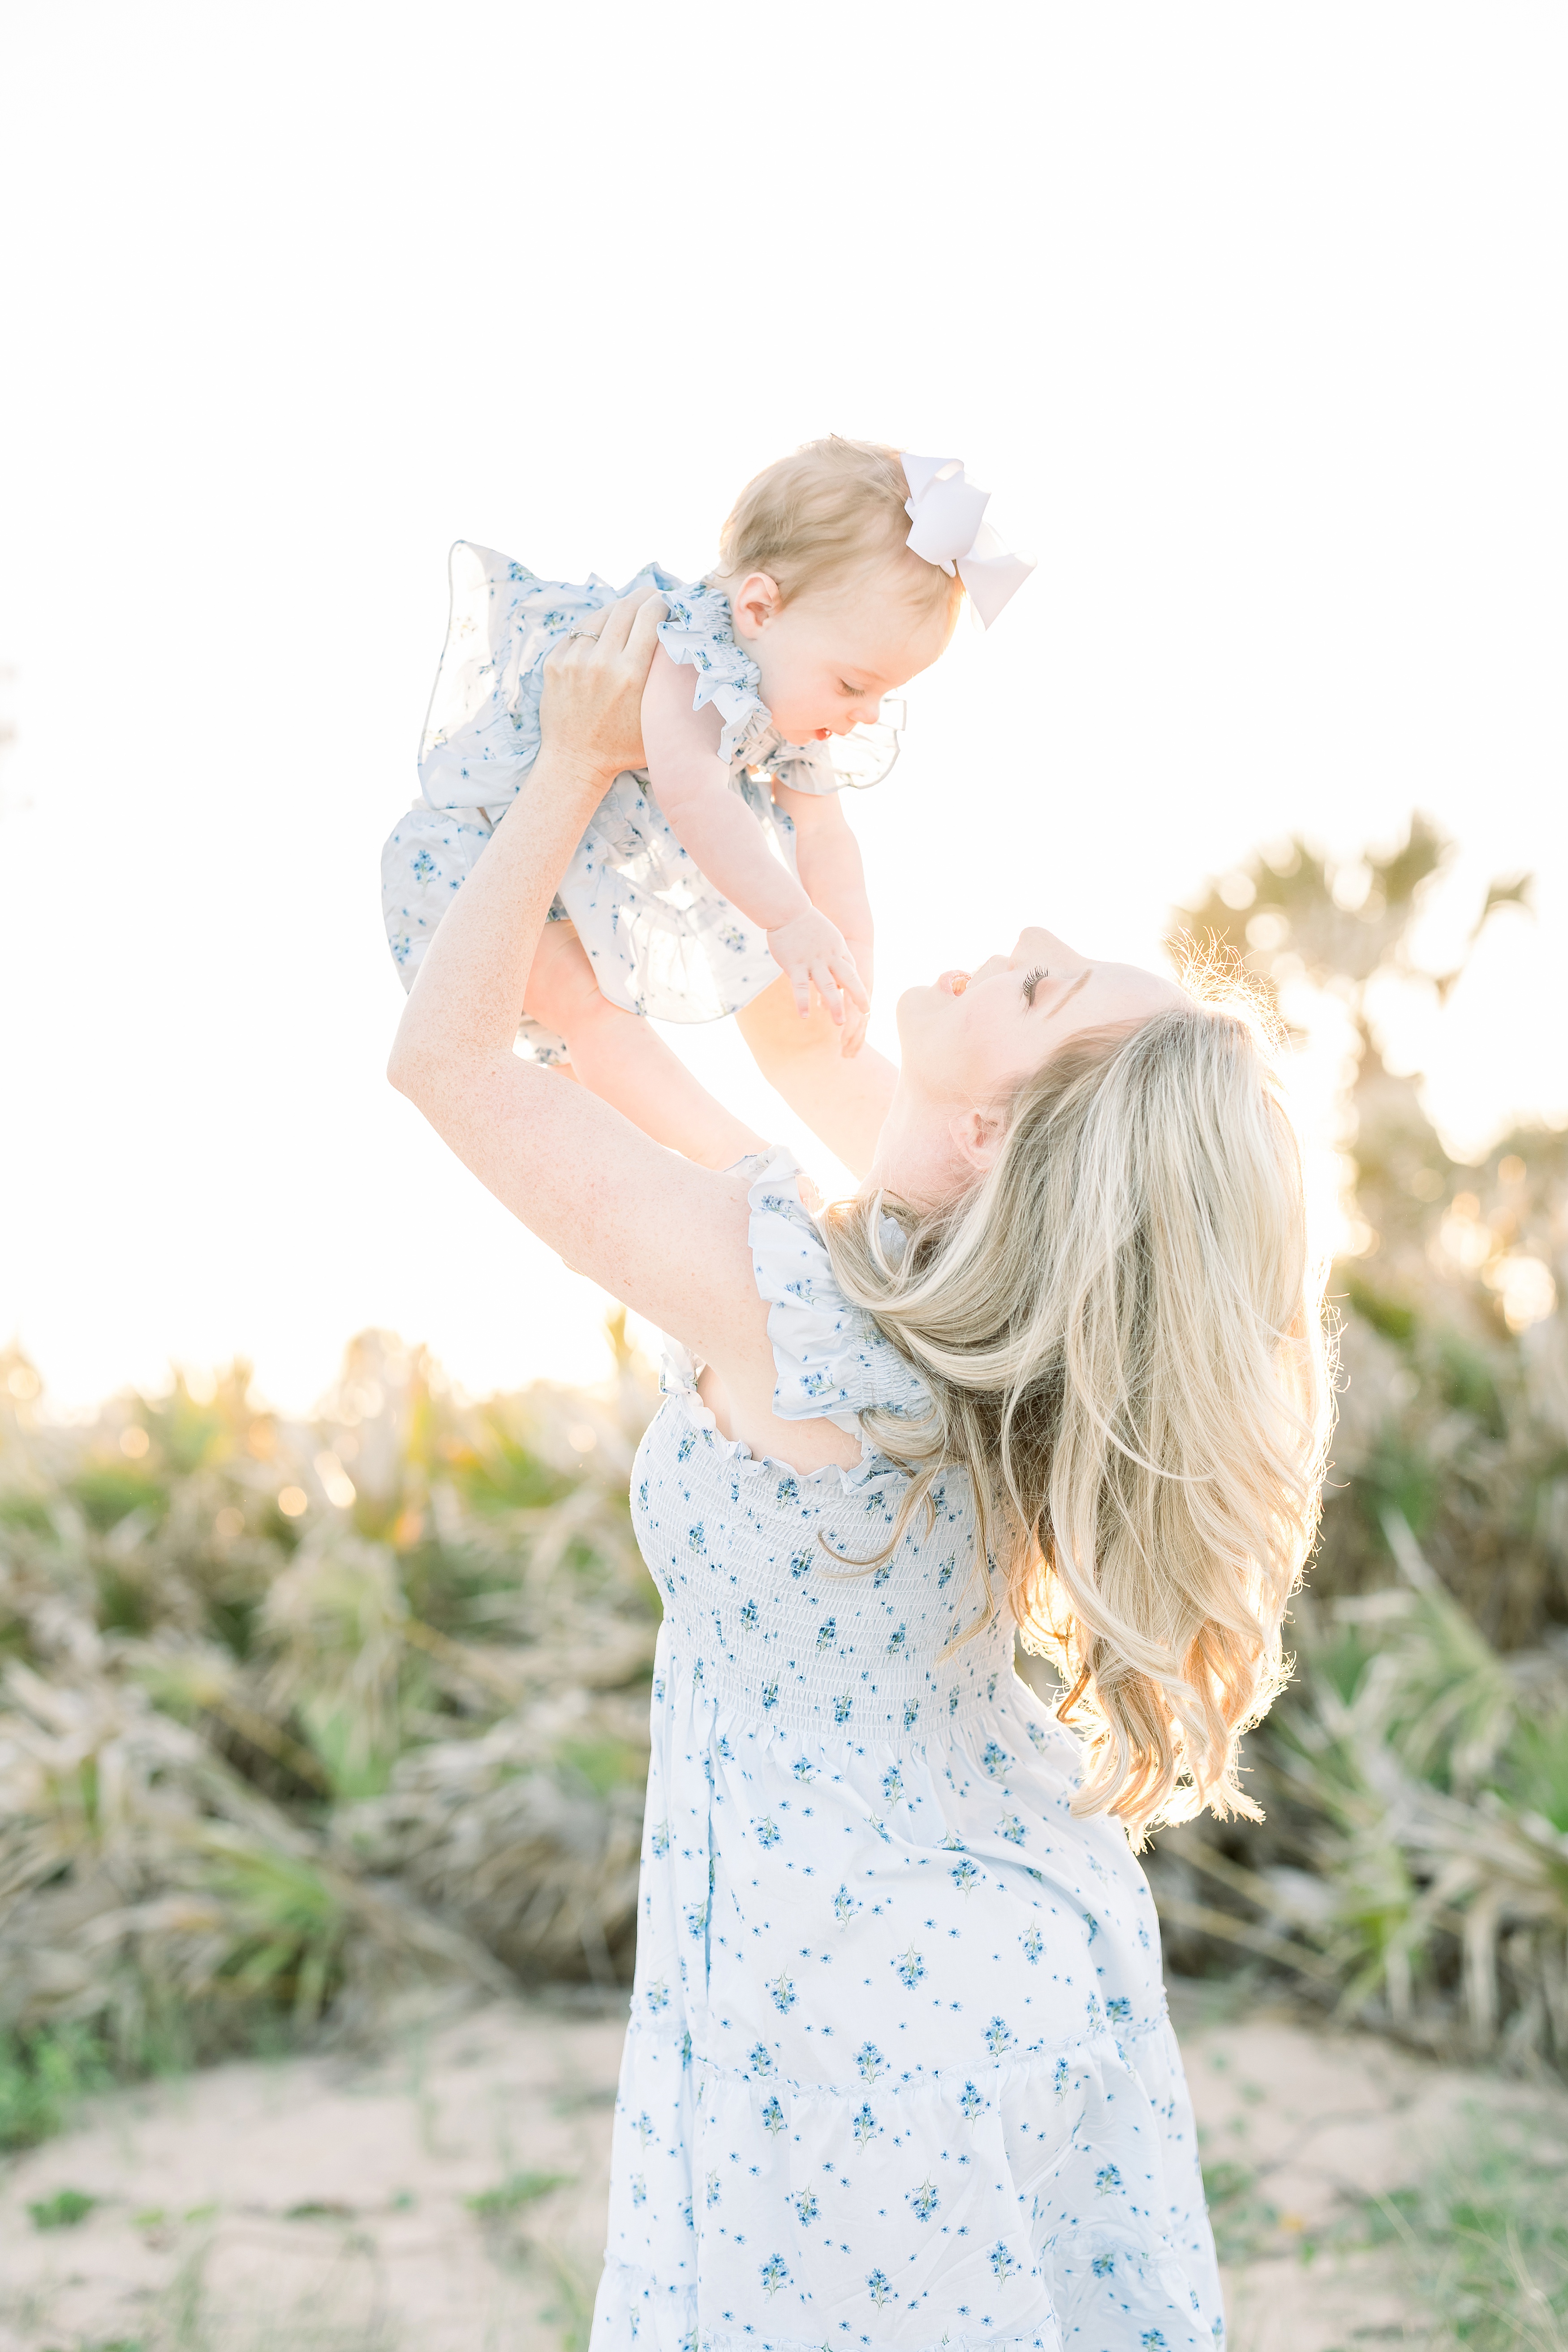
{"points": [[44, 2076], [519, 2188], [66, 2209], [1480, 2242], [1485, 2243]]}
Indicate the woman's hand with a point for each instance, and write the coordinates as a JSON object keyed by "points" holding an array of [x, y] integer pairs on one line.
{"points": [[590, 711]]}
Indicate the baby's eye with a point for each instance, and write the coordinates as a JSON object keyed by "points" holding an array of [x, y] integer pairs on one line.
{"points": [[1031, 981], [854, 692]]}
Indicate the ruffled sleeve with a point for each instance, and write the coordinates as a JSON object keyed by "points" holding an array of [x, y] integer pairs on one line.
{"points": [[698, 631], [832, 1360], [805, 768]]}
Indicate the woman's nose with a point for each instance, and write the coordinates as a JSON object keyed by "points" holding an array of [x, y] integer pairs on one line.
{"points": [[1031, 944]]}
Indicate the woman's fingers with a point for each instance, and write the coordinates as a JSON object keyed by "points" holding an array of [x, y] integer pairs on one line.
{"points": [[643, 640], [621, 618], [594, 682]]}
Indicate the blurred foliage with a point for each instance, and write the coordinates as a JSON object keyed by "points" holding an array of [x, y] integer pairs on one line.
{"points": [[300, 1718], [1454, 1349], [297, 1717], [1413, 1869]]}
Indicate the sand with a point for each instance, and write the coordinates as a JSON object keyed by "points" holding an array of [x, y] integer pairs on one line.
{"points": [[403, 2203]]}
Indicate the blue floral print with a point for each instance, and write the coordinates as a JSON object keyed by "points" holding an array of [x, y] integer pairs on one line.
{"points": [[909, 2081], [661, 938]]}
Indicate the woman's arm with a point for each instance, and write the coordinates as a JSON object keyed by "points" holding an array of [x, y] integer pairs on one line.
{"points": [[666, 1237]]}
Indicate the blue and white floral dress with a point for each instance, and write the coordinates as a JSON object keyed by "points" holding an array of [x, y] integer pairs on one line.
{"points": [[898, 2072], [661, 938]]}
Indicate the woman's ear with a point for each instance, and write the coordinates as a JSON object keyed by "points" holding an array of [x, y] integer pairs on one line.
{"points": [[977, 1138], [755, 602]]}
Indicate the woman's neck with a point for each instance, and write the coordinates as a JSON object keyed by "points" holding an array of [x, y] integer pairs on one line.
{"points": [[917, 1156]]}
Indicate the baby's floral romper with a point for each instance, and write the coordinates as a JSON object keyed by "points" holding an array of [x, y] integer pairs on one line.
{"points": [[661, 938]]}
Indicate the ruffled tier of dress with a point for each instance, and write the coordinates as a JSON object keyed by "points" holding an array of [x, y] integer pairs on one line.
{"points": [[1014, 2205]]}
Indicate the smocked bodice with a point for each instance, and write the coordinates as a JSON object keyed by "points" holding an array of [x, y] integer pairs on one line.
{"points": [[762, 1568]]}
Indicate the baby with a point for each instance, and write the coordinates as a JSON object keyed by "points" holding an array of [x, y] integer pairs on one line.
{"points": [[728, 860]]}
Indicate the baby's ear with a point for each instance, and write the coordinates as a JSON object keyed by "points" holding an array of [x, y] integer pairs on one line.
{"points": [[757, 600]]}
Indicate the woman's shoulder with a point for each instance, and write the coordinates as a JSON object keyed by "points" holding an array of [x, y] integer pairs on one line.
{"points": [[831, 1359]]}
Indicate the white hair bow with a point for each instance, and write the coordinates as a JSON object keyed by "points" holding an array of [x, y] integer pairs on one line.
{"points": [[946, 527]]}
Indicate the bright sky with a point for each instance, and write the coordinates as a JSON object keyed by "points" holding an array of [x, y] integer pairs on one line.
{"points": [[1250, 316]]}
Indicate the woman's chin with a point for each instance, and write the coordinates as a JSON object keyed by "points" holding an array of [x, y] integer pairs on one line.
{"points": [[914, 1012]]}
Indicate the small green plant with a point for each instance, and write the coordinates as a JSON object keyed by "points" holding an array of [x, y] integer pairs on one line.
{"points": [[43, 2077], [519, 2189], [66, 2209]]}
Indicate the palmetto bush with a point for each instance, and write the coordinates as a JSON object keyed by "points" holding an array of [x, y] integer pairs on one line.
{"points": [[297, 1714], [1413, 1868]]}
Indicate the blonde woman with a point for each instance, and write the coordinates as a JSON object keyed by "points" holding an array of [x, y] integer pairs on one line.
{"points": [[899, 2072]]}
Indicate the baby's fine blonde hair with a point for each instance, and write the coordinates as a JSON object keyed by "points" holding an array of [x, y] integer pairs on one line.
{"points": [[1122, 1327], [831, 509]]}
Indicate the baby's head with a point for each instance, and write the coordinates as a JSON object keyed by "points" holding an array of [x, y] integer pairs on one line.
{"points": [[828, 599]]}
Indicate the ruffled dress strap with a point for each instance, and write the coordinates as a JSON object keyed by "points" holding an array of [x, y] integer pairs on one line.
{"points": [[699, 631], [832, 1360]]}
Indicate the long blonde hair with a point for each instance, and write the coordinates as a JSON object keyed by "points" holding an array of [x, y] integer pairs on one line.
{"points": [[1123, 1333]]}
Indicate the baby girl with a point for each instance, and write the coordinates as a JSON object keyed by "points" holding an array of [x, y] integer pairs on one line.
{"points": [[728, 859]]}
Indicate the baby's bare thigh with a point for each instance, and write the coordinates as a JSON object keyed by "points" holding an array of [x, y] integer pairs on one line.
{"points": [[561, 982]]}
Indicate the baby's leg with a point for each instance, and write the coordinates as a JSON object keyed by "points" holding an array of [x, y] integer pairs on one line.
{"points": [[624, 1062]]}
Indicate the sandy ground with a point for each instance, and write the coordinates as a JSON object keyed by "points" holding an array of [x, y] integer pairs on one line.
{"points": [[404, 2204]]}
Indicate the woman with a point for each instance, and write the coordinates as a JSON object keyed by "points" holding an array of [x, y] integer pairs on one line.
{"points": [[899, 2072]]}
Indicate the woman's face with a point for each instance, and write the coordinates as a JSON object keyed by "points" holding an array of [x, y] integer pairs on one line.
{"points": [[972, 1036]]}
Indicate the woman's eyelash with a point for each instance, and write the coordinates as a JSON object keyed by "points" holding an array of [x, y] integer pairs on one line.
{"points": [[1031, 981]]}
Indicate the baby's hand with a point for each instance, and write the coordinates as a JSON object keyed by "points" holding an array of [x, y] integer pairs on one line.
{"points": [[811, 953]]}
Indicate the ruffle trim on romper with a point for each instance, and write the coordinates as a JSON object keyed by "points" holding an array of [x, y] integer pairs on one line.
{"points": [[832, 1360], [700, 632]]}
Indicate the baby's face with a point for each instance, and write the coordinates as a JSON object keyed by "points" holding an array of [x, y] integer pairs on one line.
{"points": [[828, 658]]}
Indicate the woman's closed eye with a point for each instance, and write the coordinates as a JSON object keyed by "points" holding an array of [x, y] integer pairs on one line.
{"points": [[1031, 981]]}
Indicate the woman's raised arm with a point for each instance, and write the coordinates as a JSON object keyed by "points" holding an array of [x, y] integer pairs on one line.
{"points": [[666, 1237]]}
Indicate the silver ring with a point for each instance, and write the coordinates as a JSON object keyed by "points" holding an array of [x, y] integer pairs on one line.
{"points": [[592, 635]]}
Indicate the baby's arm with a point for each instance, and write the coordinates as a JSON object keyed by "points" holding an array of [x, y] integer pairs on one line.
{"points": [[827, 857], [717, 829]]}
